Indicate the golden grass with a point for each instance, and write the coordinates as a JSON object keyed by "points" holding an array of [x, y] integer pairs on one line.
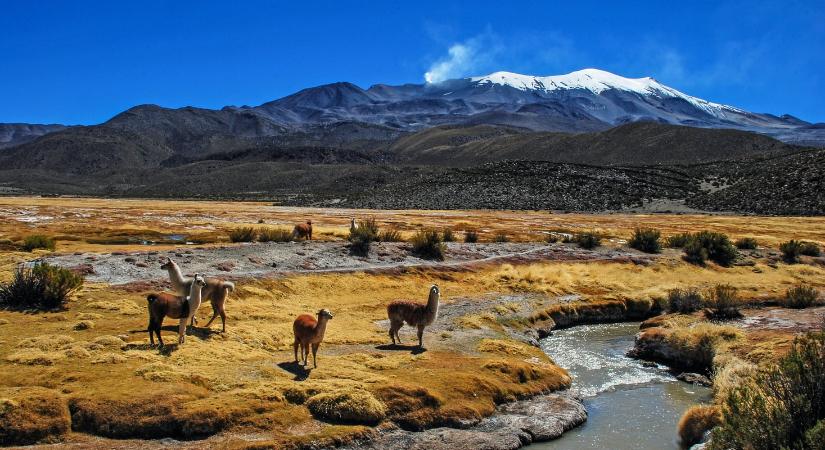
{"points": [[126, 222], [351, 406], [695, 422]]}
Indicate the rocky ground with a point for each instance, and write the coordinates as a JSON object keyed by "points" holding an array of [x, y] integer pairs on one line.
{"points": [[269, 259]]}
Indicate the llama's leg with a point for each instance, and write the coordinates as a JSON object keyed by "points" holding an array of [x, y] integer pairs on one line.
{"points": [[151, 329], [158, 325], [315, 352], [394, 327], [182, 329], [421, 336], [295, 348], [305, 353]]}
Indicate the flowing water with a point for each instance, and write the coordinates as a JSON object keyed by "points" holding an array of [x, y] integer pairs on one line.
{"points": [[629, 406]]}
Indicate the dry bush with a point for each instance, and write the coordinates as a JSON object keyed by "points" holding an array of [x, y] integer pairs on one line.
{"points": [[42, 287], [723, 302], [244, 234], [427, 244], [36, 241], [810, 249], [791, 251], [32, 416], [678, 240], [684, 301], [501, 237], [695, 422], [391, 235], [646, 240], [350, 406], [470, 236], [706, 245], [588, 240], [362, 236], [746, 243], [801, 296], [781, 406], [447, 235], [274, 235]]}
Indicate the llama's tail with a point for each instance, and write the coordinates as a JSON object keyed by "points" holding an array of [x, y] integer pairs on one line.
{"points": [[229, 286], [151, 298]]}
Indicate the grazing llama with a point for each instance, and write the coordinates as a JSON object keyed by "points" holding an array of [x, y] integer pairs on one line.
{"points": [[309, 331], [303, 230], [216, 290], [176, 307], [415, 314]]}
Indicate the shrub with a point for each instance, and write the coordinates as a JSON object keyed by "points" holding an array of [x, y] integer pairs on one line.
{"points": [[746, 244], [695, 422], [42, 287], [347, 407], [245, 234], [390, 236], [678, 240], [274, 235], [684, 301], [427, 244], [646, 240], [447, 235], [36, 241], [588, 240], [791, 251], [362, 236], [800, 297], [722, 302], [501, 237], [810, 249], [470, 236], [781, 406], [709, 245]]}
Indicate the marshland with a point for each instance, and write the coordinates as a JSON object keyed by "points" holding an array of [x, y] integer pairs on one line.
{"points": [[515, 310]]}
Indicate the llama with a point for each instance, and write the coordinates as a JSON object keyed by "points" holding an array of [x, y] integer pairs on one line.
{"points": [[309, 331], [216, 290], [415, 314], [352, 226], [176, 307], [303, 230]]}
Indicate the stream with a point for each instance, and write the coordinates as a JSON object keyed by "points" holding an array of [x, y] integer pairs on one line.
{"points": [[629, 406]]}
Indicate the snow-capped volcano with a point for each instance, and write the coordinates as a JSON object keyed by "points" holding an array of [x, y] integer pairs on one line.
{"points": [[584, 100], [598, 81]]}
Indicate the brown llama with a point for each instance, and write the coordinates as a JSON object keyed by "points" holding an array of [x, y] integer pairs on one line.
{"points": [[216, 290], [164, 305], [414, 314], [309, 331], [303, 230]]}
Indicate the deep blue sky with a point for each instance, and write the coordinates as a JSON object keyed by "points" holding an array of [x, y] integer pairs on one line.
{"points": [[83, 62]]}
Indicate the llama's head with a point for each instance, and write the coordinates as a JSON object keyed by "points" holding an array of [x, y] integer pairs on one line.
{"points": [[309, 222], [434, 290], [324, 313], [199, 280], [167, 265]]}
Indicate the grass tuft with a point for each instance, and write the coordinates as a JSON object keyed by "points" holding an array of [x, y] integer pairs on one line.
{"points": [[42, 287], [244, 234], [746, 243], [36, 241], [723, 302], [684, 301], [695, 422], [801, 296], [362, 236], [471, 236], [427, 244], [350, 407], [587, 240], [274, 235], [447, 235]]}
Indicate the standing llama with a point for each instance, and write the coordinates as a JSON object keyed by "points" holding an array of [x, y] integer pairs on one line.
{"points": [[415, 314], [176, 307], [303, 230], [216, 290], [309, 331]]}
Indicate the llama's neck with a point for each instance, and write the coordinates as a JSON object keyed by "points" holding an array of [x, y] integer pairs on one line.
{"points": [[432, 307], [176, 277], [321, 327], [194, 298]]}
